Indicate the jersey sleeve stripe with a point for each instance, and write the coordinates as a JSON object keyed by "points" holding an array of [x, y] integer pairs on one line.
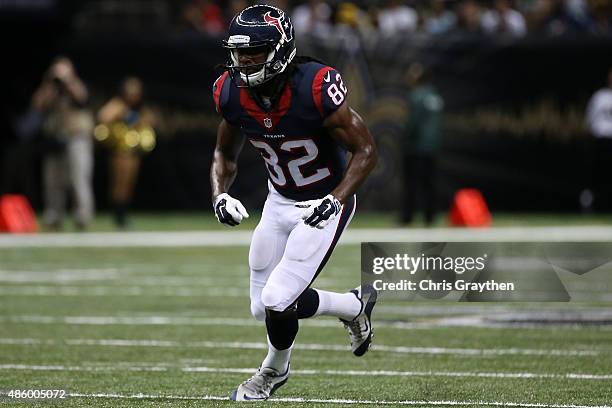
{"points": [[317, 87], [218, 88]]}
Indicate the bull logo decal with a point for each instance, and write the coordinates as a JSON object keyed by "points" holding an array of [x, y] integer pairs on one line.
{"points": [[277, 22]]}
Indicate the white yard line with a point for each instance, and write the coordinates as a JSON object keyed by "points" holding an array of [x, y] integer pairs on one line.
{"points": [[123, 366], [127, 277], [209, 290], [347, 401], [390, 373], [45, 290], [351, 236], [470, 321], [58, 367], [297, 400], [11, 279], [302, 346], [150, 321], [59, 275]]}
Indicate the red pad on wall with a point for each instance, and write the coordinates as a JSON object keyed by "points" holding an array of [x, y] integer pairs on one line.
{"points": [[16, 214], [469, 209]]}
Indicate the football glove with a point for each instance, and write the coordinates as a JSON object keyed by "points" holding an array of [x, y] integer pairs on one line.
{"points": [[319, 213], [228, 210]]}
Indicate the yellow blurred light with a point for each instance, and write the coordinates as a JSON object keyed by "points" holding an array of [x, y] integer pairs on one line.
{"points": [[119, 129], [101, 133], [132, 138], [147, 140]]}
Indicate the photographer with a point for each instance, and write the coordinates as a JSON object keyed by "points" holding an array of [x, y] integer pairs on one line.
{"points": [[68, 157]]}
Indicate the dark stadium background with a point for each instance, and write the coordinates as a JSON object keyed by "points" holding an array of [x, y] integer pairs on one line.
{"points": [[542, 167]]}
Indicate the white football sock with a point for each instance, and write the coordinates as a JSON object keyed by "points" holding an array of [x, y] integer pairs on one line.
{"points": [[343, 305], [277, 359]]}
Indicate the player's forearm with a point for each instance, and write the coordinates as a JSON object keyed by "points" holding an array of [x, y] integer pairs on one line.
{"points": [[361, 165], [225, 160], [222, 174]]}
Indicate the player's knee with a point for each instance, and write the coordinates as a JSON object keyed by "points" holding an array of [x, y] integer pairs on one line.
{"points": [[288, 313], [258, 310], [273, 298]]}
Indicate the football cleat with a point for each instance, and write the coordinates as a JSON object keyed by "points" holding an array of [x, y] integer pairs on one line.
{"points": [[360, 328], [261, 385]]}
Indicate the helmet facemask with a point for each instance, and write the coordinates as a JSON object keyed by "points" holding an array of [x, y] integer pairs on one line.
{"points": [[253, 75]]}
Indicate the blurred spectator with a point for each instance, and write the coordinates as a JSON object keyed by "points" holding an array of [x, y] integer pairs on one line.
{"points": [[281, 4], [599, 121], [504, 19], [602, 16], [205, 16], [68, 160], [345, 18], [421, 145], [397, 18], [578, 11], [441, 20], [127, 116], [470, 17], [552, 17], [235, 7], [352, 24], [599, 111], [312, 17]]}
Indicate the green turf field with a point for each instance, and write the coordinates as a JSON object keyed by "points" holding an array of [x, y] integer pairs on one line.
{"points": [[206, 221], [173, 324]]}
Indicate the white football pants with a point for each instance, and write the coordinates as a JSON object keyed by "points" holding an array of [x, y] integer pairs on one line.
{"points": [[286, 255]]}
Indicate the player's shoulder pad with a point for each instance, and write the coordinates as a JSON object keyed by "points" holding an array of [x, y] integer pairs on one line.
{"points": [[328, 89], [221, 91]]}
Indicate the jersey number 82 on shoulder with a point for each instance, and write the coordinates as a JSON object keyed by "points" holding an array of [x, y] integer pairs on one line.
{"points": [[337, 93]]}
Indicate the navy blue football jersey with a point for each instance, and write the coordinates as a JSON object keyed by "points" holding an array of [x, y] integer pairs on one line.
{"points": [[303, 161]]}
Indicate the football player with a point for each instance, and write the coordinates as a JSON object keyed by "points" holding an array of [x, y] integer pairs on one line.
{"points": [[293, 110]]}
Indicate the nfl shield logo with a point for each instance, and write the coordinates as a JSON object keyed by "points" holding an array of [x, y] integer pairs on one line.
{"points": [[268, 123]]}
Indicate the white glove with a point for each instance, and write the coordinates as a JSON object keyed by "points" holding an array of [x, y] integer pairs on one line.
{"points": [[319, 213], [228, 210]]}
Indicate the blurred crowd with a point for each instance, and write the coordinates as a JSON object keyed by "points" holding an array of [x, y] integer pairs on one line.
{"points": [[60, 116], [436, 17]]}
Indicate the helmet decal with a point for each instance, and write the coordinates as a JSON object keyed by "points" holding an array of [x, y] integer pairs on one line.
{"points": [[277, 22]]}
